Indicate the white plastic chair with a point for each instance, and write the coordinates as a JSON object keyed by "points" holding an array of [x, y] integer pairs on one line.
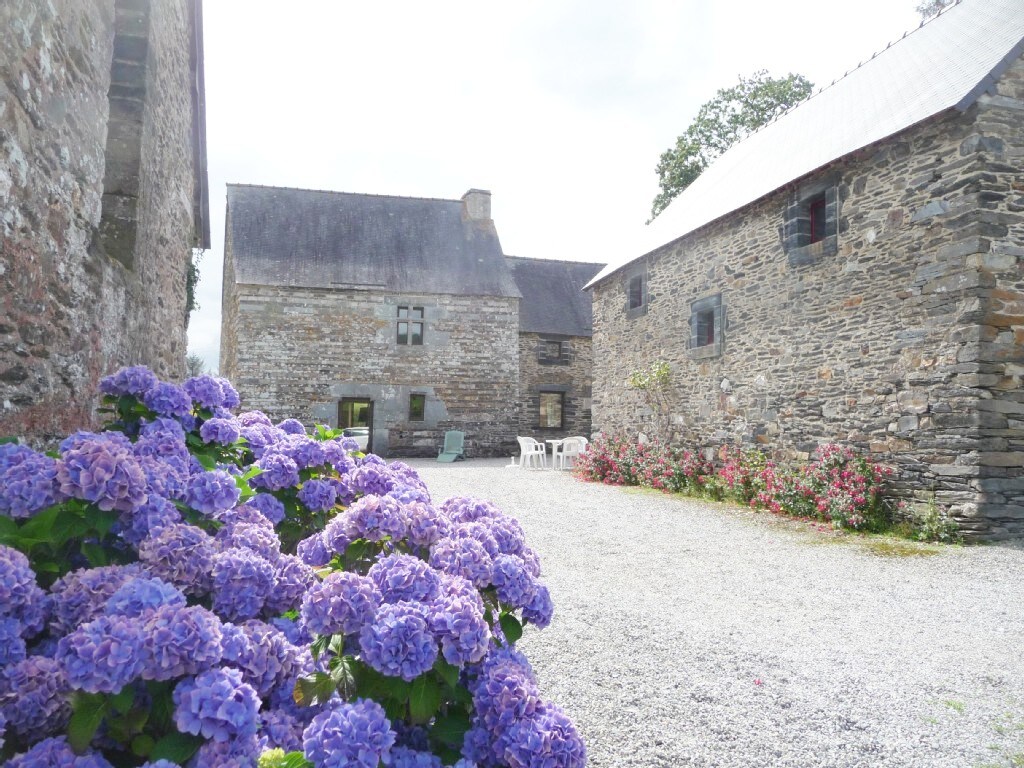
{"points": [[572, 447], [531, 453]]}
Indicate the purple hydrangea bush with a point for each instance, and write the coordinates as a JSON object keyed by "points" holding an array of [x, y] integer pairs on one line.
{"points": [[192, 587]]}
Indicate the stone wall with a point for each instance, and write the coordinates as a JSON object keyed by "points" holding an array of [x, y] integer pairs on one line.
{"points": [[75, 302], [878, 339], [569, 372], [297, 352]]}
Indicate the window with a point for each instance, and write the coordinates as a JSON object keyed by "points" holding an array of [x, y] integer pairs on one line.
{"points": [[706, 326], [410, 325], [417, 407], [816, 211], [551, 407], [553, 352], [636, 292], [636, 295], [811, 223]]}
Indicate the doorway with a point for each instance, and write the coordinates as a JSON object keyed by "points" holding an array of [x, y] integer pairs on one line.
{"points": [[355, 418]]}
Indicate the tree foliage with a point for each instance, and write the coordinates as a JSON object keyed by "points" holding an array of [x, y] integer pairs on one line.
{"points": [[929, 8], [731, 115], [195, 365]]}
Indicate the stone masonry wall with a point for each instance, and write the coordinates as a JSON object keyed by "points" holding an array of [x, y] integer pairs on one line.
{"points": [[70, 313], [571, 375], [878, 345], [296, 352]]}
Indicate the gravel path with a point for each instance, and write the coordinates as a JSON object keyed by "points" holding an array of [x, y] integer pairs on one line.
{"points": [[697, 634]]}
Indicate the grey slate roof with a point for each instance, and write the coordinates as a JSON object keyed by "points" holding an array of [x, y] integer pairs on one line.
{"points": [[945, 64], [316, 239], [553, 297]]}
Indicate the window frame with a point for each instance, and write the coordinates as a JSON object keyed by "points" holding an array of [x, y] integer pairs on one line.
{"points": [[707, 327], [811, 222], [410, 317], [635, 286], [541, 395], [422, 400]]}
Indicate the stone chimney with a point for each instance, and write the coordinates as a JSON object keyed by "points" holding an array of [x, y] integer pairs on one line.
{"points": [[477, 204]]}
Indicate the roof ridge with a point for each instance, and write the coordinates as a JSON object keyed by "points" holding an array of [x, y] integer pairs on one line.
{"points": [[556, 261], [339, 192], [849, 72]]}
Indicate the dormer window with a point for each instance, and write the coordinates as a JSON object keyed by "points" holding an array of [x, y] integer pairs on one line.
{"points": [[810, 227]]}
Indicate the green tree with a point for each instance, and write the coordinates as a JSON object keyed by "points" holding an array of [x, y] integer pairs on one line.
{"points": [[194, 365], [731, 115], [929, 8]]}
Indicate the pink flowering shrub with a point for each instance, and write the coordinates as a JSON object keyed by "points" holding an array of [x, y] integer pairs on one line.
{"points": [[837, 486]]}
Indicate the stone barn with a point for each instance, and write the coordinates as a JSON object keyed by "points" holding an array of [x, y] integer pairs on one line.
{"points": [[852, 272], [555, 357], [103, 196]]}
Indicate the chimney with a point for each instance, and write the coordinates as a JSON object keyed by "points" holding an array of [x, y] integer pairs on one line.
{"points": [[477, 204]]}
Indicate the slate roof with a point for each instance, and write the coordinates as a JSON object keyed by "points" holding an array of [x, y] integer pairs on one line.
{"points": [[947, 63], [553, 297], [317, 239]]}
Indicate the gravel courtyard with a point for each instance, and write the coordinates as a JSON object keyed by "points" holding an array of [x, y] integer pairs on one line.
{"points": [[697, 634]]}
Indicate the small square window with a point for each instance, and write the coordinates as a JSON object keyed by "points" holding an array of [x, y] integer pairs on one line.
{"points": [[417, 407], [553, 349], [551, 407], [410, 326]]}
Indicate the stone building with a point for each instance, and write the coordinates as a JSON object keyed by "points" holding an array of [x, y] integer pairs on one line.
{"points": [[103, 196], [401, 315], [555, 355], [852, 272]]}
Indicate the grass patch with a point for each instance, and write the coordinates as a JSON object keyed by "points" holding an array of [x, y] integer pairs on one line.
{"points": [[889, 547], [956, 706]]}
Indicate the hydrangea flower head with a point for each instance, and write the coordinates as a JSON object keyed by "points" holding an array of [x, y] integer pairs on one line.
{"points": [[148, 520], [29, 485], [404, 577], [459, 623], [343, 603], [426, 524], [182, 555], [81, 596], [241, 752], [463, 509], [292, 427], [303, 450], [241, 581], [376, 518], [266, 659], [142, 595], [21, 599], [259, 539], [216, 704], [231, 397], [404, 757], [212, 492], [318, 495], [221, 431], [270, 506], [511, 579], [337, 456], [399, 642], [34, 697], [205, 391], [349, 735], [251, 418], [134, 380], [314, 551], [180, 640], [12, 645], [462, 557], [55, 752], [372, 478], [166, 399], [547, 737], [292, 579], [279, 471], [539, 609], [103, 655], [104, 472]]}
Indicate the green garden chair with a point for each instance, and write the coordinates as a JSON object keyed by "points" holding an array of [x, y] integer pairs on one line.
{"points": [[454, 446]]}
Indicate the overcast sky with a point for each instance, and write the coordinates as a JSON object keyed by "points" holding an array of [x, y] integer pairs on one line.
{"points": [[560, 108]]}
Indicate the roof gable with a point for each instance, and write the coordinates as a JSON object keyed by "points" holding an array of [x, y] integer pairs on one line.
{"points": [[317, 239], [947, 63], [553, 297]]}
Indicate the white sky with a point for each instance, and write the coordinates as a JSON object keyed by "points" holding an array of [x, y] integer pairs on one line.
{"points": [[560, 107]]}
